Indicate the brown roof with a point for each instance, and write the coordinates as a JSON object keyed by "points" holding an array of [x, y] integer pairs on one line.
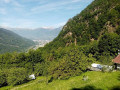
{"points": [[117, 59]]}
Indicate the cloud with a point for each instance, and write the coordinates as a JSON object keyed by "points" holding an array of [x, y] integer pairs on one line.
{"points": [[53, 6], [62, 4], [77, 0], [15, 3], [18, 22], [12, 2], [35, 13], [26, 23], [5, 1], [59, 24], [3, 11], [4, 24]]}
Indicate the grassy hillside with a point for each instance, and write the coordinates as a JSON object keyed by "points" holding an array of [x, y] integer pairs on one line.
{"points": [[96, 81], [10, 42]]}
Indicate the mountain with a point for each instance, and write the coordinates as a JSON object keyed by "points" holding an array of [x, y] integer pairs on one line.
{"points": [[93, 36], [38, 34], [100, 17], [9, 42]]}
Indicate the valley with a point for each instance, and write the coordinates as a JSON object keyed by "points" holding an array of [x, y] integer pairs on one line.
{"points": [[40, 43], [81, 55]]}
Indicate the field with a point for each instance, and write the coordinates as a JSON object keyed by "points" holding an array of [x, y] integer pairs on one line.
{"points": [[96, 81]]}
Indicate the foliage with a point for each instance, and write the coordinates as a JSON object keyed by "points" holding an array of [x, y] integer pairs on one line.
{"points": [[16, 76], [105, 59], [2, 78], [92, 35], [99, 17], [72, 63], [109, 43], [118, 30], [39, 68], [13, 76]]}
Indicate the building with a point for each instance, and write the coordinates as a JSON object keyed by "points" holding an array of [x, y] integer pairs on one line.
{"points": [[116, 62]]}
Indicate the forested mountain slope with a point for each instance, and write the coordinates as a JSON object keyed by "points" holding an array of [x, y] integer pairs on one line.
{"points": [[93, 36], [100, 17], [10, 42]]}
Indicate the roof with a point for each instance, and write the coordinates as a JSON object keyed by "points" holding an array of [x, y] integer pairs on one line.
{"points": [[117, 59]]}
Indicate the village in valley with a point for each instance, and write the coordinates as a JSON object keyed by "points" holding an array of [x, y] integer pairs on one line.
{"points": [[40, 43]]}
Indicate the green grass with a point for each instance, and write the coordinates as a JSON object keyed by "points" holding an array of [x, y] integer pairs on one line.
{"points": [[96, 81]]}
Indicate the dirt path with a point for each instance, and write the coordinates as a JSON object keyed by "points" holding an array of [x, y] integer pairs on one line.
{"points": [[38, 81]]}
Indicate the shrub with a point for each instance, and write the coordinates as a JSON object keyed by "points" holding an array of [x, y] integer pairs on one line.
{"points": [[38, 69], [109, 43], [2, 78], [107, 69], [72, 64], [16, 76]]}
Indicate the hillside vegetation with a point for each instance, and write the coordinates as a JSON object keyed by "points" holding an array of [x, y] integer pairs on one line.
{"points": [[93, 36], [100, 17], [10, 42]]}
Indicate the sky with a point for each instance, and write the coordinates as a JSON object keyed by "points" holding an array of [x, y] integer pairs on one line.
{"points": [[39, 13]]}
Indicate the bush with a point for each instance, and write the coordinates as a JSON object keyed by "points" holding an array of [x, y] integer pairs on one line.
{"points": [[73, 63], [16, 76], [38, 69], [105, 59], [2, 78], [107, 69], [109, 43]]}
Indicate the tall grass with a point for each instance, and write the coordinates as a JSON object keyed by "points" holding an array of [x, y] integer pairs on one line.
{"points": [[96, 81]]}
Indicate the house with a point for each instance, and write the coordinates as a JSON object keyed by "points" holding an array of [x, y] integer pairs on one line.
{"points": [[116, 62]]}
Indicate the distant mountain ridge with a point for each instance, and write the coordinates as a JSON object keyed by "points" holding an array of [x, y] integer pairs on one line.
{"points": [[37, 34], [10, 41]]}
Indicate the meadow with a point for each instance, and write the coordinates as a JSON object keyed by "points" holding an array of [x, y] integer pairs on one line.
{"points": [[96, 81]]}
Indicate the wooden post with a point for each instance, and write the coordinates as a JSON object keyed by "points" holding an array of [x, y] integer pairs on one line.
{"points": [[75, 41]]}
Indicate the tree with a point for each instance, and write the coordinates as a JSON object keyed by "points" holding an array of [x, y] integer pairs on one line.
{"points": [[73, 63], [2, 78], [109, 43], [16, 76]]}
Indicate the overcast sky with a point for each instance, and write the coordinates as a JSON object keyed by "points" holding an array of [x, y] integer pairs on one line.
{"points": [[39, 13]]}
